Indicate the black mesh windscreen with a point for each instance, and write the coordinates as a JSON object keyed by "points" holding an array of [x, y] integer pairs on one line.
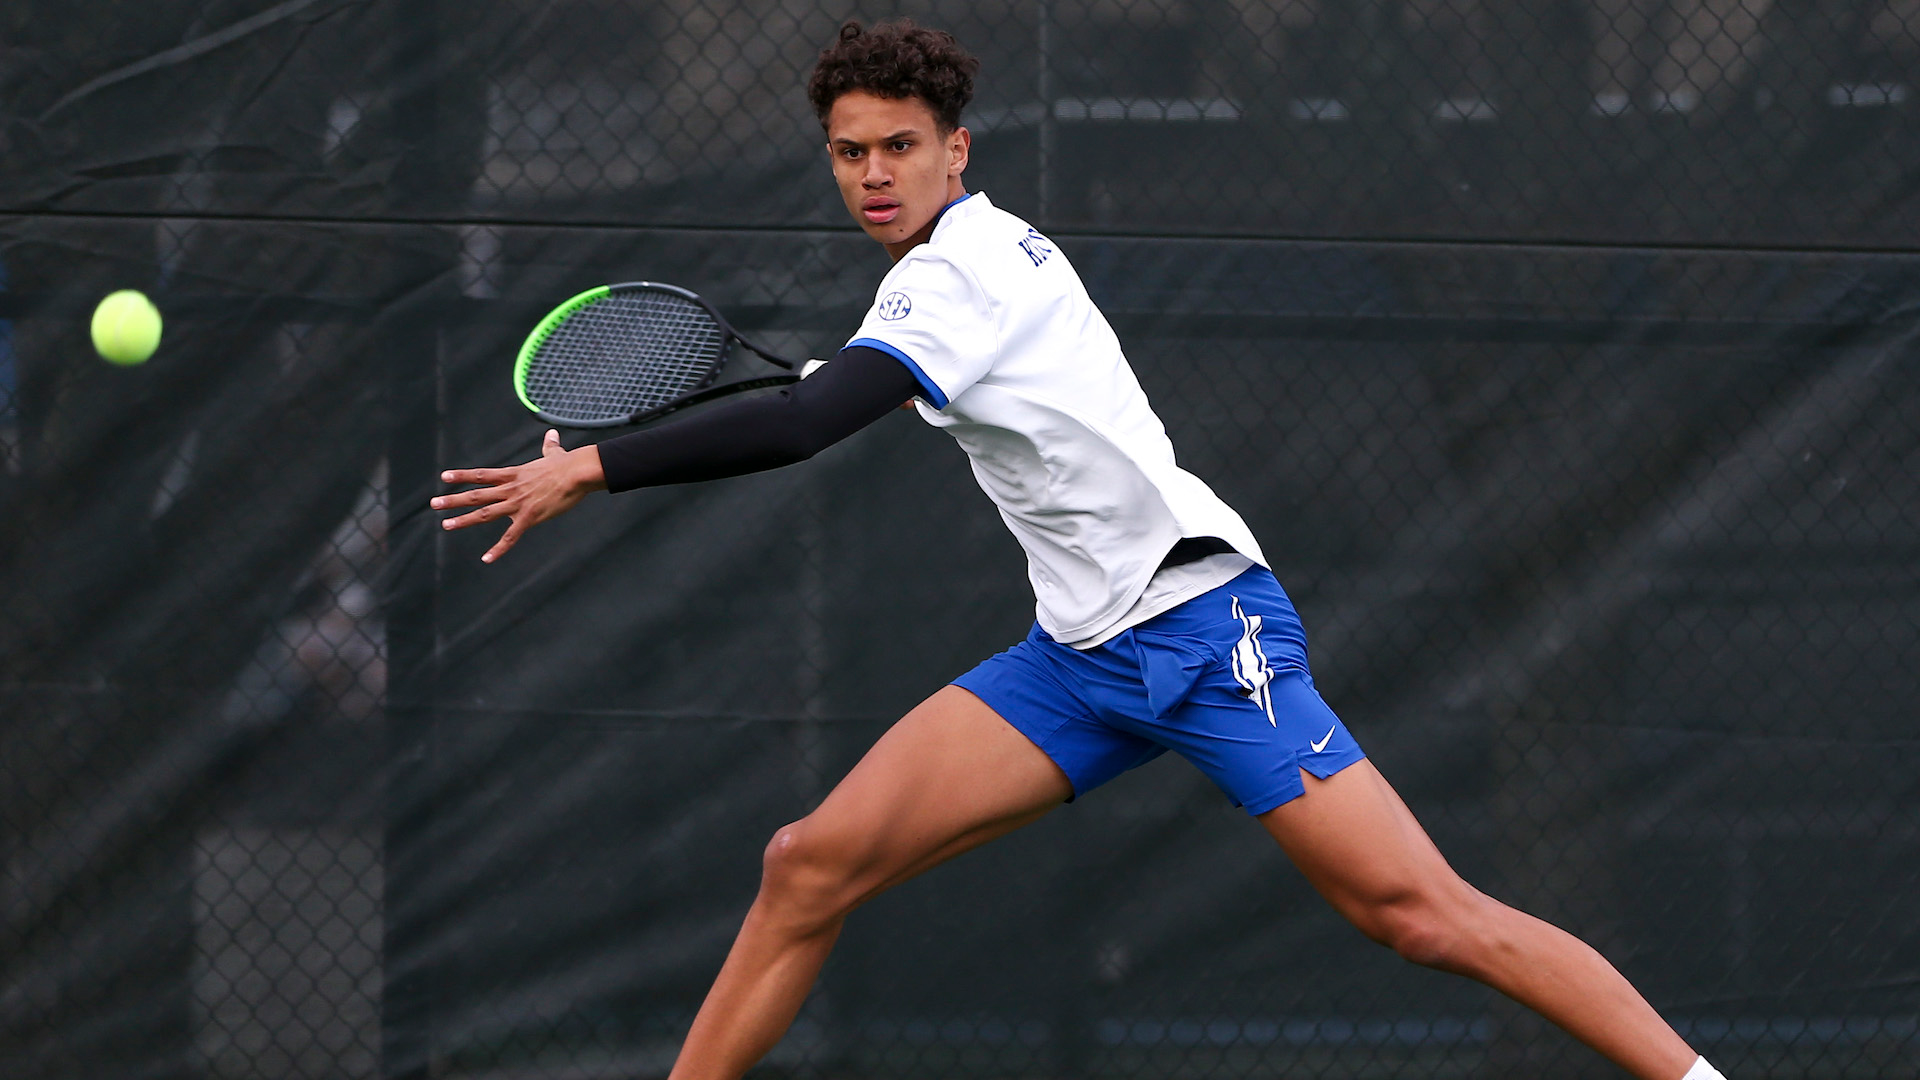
{"points": [[1744, 122], [1564, 358]]}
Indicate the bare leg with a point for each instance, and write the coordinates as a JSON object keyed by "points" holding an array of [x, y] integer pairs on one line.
{"points": [[950, 776], [1362, 849]]}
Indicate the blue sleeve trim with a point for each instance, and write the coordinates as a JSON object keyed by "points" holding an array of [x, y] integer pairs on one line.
{"points": [[934, 394]]}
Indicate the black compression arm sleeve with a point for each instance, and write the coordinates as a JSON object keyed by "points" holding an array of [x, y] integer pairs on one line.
{"points": [[766, 431]]}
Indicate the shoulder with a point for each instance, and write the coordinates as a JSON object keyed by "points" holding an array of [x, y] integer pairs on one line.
{"points": [[980, 232], [997, 251], [928, 273]]}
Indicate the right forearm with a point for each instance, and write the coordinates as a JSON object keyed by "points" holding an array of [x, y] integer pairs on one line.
{"points": [[763, 432], [742, 437]]}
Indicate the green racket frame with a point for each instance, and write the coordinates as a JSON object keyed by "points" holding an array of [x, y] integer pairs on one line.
{"points": [[545, 327]]}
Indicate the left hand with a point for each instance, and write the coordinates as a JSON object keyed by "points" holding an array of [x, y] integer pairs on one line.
{"points": [[540, 490]]}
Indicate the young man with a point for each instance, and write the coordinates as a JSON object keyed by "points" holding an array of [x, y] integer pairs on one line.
{"points": [[1158, 625]]}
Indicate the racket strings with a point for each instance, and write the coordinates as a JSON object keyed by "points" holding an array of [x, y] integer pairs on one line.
{"points": [[625, 353]]}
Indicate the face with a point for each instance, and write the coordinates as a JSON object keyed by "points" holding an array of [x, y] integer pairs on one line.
{"points": [[894, 167]]}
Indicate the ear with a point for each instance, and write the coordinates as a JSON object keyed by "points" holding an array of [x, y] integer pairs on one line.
{"points": [[959, 144]]}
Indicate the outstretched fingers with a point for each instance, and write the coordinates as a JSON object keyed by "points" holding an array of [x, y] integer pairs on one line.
{"points": [[476, 476], [526, 494], [493, 501], [476, 517], [506, 541], [474, 497]]}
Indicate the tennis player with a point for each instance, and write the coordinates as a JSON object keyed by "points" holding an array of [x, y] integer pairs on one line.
{"points": [[1158, 624]]}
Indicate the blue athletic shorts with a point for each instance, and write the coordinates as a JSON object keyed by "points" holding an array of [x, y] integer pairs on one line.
{"points": [[1222, 679]]}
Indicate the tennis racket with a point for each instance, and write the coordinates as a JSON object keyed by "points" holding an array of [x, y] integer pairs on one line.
{"points": [[625, 354]]}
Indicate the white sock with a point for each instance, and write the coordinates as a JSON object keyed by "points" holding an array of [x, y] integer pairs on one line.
{"points": [[1702, 1071]]}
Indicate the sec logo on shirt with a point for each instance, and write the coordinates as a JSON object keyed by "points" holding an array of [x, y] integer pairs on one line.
{"points": [[895, 305]]}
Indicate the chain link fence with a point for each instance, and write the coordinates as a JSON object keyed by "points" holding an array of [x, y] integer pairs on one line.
{"points": [[1563, 357]]}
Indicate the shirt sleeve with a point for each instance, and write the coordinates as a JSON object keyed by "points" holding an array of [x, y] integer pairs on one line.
{"points": [[932, 316]]}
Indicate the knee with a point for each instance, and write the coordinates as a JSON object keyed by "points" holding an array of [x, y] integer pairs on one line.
{"points": [[1429, 929], [805, 875], [1421, 936]]}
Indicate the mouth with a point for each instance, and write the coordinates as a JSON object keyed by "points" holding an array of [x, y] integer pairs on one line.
{"points": [[879, 211]]}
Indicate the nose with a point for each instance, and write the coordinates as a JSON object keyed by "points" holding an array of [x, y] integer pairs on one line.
{"points": [[876, 175]]}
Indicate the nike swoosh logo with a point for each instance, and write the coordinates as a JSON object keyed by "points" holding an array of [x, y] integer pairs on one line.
{"points": [[1322, 744]]}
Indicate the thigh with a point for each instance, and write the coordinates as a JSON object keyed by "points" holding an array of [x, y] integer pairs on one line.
{"points": [[951, 775], [1052, 694], [1358, 844]]}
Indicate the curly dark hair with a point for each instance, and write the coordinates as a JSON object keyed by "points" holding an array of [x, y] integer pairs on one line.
{"points": [[895, 59]]}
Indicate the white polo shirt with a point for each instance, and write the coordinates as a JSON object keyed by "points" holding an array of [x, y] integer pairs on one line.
{"points": [[1020, 367]]}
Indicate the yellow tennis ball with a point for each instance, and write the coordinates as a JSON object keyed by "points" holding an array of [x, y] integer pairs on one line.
{"points": [[126, 327]]}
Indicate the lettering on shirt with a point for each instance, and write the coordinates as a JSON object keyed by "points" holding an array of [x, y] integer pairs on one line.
{"points": [[1036, 246]]}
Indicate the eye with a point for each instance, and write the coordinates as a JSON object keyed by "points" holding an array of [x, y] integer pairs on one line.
{"points": [[851, 153], [901, 146]]}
